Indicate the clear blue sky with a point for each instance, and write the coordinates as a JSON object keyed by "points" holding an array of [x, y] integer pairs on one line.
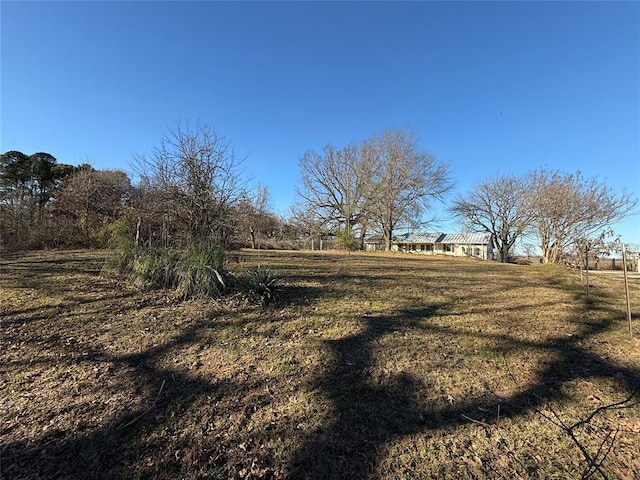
{"points": [[490, 87]]}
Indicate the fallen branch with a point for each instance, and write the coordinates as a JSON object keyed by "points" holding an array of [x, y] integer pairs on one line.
{"points": [[611, 406]]}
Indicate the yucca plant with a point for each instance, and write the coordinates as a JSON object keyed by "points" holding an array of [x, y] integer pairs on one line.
{"points": [[261, 285]]}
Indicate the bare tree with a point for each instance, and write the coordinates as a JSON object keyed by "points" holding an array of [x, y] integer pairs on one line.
{"points": [[254, 217], [306, 221], [88, 201], [404, 180], [569, 207], [499, 206], [199, 177], [333, 186], [529, 249]]}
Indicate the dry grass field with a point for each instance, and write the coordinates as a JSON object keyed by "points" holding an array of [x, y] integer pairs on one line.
{"points": [[368, 366]]}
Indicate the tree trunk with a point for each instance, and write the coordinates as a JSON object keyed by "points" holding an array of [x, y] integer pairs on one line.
{"points": [[503, 253], [253, 237], [387, 240]]}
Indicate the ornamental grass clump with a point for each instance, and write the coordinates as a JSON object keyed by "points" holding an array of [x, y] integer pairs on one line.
{"points": [[156, 268], [196, 272], [200, 271]]}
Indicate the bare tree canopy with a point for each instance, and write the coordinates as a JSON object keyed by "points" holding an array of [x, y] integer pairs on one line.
{"points": [[305, 221], [333, 185], [386, 181], [501, 207], [569, 207], [87, 202], [198, 175], [404, 180], [254, 219]]}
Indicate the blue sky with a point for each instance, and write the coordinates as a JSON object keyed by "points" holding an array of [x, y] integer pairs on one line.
{"points": [[490, 87]]}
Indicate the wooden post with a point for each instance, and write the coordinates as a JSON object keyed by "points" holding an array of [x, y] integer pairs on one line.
{"points": [[626, 286], [138, 232], [586, 256]]}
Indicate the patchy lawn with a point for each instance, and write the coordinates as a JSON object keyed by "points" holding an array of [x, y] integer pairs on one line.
{"points": [[369, 366]]}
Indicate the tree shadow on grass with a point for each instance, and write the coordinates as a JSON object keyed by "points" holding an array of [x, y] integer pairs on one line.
{"points": [[367, 417], [160, 396], [109, 451]]}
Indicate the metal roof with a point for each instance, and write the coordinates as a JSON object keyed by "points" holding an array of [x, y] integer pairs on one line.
{"points": [[419, 237], [462, 238], [439, 237], [373, 238]]}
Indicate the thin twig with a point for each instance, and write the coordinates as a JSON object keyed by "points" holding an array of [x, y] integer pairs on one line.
{"points": [[592, 464], [598, 463], [591, 461], [146, 411], [595, 462], [475, 421], [611, 406]]}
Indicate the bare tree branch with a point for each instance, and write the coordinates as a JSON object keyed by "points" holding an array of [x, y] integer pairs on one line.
{"points": [[197, 175], [568, 207], [500, 207]]}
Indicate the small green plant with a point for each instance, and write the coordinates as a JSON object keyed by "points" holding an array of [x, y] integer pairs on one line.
{"points": [[346, 241], [119, 237], [120, 259], [261, 285]]}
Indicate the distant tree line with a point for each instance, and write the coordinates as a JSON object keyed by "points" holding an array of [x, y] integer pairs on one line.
{"points": [[190, 188], [389, 181], [28, 186], [44, 203]]}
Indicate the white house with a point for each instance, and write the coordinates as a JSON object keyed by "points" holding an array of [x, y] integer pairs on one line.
{"points": [[374, 243], [479, 245]]}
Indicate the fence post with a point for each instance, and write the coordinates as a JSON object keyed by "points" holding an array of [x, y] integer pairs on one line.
{"points": [[626, 286]]}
